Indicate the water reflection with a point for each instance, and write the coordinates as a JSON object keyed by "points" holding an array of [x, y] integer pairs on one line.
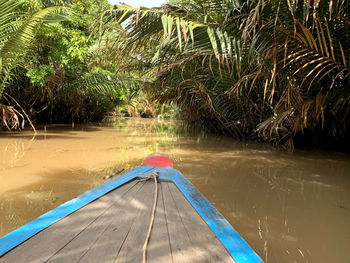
{"points": [[289, 207]]}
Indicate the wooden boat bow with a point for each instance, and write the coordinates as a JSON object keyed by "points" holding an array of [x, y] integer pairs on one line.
{"points": [[206, 233]]}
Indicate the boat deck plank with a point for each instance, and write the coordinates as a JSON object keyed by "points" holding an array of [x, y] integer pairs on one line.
{"points": [[111, 241], [113, 229], [205, 242], [159, 243], [180, 242], [45, 244], [80, 245], [131, 251]]}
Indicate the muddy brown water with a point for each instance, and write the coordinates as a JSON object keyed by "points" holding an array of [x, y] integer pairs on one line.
{"points": [[288, 207]]}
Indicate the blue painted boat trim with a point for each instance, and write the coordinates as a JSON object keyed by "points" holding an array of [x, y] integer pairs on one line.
{"points": [[234, 243], [18, 236]]}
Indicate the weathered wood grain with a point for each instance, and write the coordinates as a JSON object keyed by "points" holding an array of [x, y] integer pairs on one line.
{"points": [[201, 236], [42, 246], [108, 245], [182, 249], [75, 249], [159, 245], [131, 250]]}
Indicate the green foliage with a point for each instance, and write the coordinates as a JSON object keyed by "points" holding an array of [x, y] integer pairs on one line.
{"points": [[271, 69], [38, 76], [19, 41], [48, 53]]}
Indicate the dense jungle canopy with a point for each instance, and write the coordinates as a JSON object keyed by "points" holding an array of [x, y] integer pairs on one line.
{"points": [[269, 70]]}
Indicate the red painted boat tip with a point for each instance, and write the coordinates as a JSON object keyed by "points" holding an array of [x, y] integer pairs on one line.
{"points": [[158, 160]]}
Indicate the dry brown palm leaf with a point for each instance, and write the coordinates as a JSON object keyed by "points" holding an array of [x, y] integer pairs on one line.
{"points": [[281, 127], [277, 128], [250, 27], [315, 59], [11, 118], [7, 97], [178, 63]]}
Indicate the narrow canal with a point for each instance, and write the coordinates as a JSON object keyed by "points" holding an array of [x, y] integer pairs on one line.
{"points": [[288, 207]]}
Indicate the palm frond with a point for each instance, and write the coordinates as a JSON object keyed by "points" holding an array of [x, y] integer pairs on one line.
{"points": [[103, 84], [7, 19], [316, 58], [172, 30], [20, 40]]}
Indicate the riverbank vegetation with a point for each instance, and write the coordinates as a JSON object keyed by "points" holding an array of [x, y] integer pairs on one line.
{"points": [[50, 70], [270, 70]]}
